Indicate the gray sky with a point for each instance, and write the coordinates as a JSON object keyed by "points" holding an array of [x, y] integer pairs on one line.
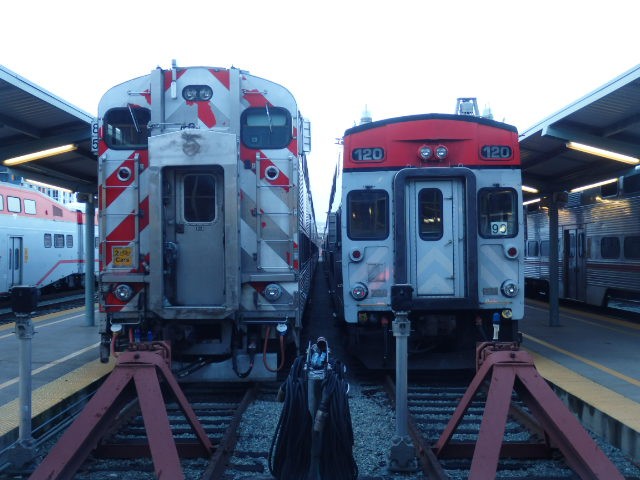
{"points": [[525, 60]]}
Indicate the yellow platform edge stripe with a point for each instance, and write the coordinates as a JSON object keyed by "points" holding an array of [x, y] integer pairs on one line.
{"points": [[54, 392], [617, 406]]}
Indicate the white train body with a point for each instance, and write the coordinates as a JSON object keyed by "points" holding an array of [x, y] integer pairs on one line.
{"points": [[207, 225], [41, 241], [448, 226]]}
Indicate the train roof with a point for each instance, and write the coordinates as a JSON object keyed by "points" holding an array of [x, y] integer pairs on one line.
{"points": [[430, 116]]}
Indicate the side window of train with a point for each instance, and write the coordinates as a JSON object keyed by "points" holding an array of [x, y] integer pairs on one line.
{"points": [[610, 247], [69, 241], [532, 248], [29, 206], [126, 128], [498, 212], [13, 204], [58, 240], [48, 242], [368, 214], [266, 127], [632, 247], [545, 248], [1, 202], [430, 214]]}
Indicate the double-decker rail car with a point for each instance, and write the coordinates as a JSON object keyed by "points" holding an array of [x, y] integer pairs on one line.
{"points": [[208, 236], [41, 241], [598, 245], [432, 201]]}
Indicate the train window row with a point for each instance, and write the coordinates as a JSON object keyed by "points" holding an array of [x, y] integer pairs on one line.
{"points": [[260, 127], [606, 247], [57, 240], [368, 213], [14, 205]]}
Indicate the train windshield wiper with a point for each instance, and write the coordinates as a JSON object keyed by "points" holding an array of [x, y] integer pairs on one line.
{"points": [[133, 117], [266, 106]]}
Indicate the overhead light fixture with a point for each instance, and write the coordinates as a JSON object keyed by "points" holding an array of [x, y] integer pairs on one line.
{"points": [[602, 153], [46, 185], [593, 185], [528, 202], [529, 189], [41, 154]]}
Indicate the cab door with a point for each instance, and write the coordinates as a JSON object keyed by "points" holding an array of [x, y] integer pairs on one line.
{"points": [[436, 238]]}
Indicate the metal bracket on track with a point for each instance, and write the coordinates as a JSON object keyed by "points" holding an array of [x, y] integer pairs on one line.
{"points": [[506, 363], [144, 367]]}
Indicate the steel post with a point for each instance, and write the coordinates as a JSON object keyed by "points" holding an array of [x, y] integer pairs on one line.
{"points": [[89, 265], [403, 454]]}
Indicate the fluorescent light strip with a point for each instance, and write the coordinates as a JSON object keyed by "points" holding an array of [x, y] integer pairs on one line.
{"points": [[46, 185], [41, 154], [593, 185], [602, 153], [529, 189], [531, 201]]}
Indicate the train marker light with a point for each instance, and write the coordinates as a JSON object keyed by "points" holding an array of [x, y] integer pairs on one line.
{"points": [[511, 251], [356, 255]]}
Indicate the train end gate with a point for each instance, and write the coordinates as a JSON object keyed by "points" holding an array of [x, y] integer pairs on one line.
{"points": [[508, 368], [144, 367]]}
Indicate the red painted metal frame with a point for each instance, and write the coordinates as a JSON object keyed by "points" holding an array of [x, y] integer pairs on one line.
{"points": [[506, 364], [144, 368]]}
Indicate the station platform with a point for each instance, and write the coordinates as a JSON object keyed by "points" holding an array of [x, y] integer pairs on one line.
{"points": [[64, 360], [592, 362]]}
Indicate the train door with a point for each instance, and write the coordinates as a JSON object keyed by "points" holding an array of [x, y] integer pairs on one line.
{"points": [[574, 260], [197, 225], [15, 261], [436, 238]]}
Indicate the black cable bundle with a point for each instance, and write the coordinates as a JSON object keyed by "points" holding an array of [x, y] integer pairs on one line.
{"points": [[290, 453], [337, 462]]}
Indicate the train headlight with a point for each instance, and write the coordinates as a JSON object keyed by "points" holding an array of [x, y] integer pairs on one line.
{"points": [[195, 93], [425, 153], [509, 288], [441, 152], [123, 292], [359, 291], [272, 292]]}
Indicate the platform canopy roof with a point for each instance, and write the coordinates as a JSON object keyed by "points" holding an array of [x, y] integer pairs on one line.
{"points": [[607, 118], [32, 120]]}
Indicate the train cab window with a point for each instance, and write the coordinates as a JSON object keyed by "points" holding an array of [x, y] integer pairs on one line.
{"points": [[498, 212], [126, 128], [58, 240], [29, 206], [13, 204], [69, 241], [631, 183], [610, 247], [368, 214], [1, 202], [199, 198], [532, 248], [266, 127], [48, 242], [632, 247], [430, 214]]}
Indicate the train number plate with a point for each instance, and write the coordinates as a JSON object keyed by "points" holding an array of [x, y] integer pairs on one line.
{"points": [[496, 152], [122, 256]]}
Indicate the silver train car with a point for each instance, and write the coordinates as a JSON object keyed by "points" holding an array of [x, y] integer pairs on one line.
{"points": [[431, 201], [599, 245], [41, 241], [207, 232]]}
